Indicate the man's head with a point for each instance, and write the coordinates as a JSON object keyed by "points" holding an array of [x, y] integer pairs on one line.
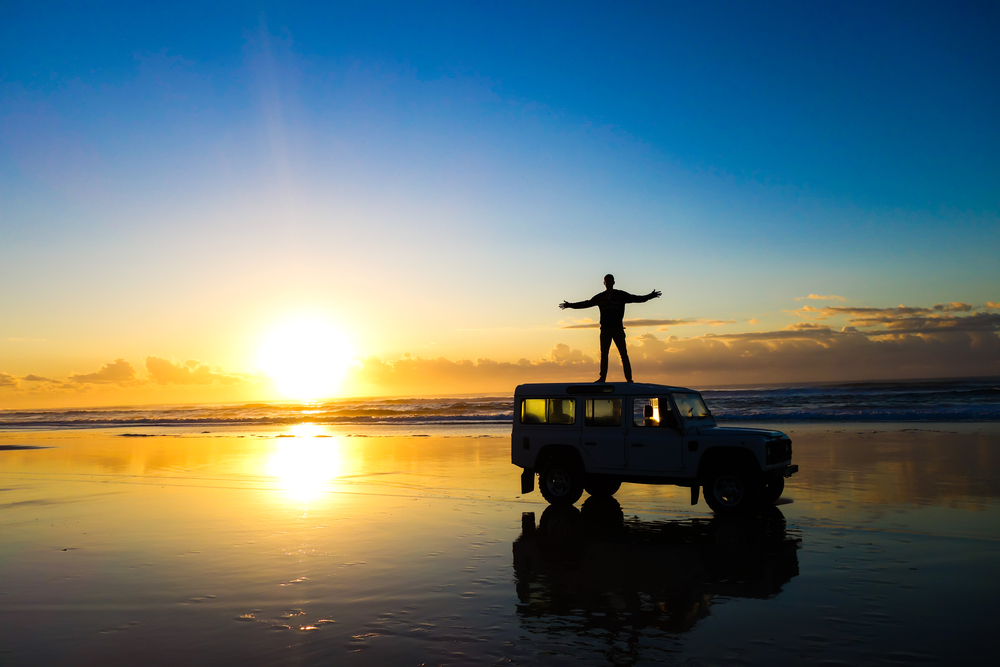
{"points": [[609, 281]]}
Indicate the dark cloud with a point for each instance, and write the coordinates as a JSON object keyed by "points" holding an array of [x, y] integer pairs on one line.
{"points": [[163, 371], [816, 355], [888, 313], [39, 378], [7, 381], [941, 317], [974, 322], [117, 372]]}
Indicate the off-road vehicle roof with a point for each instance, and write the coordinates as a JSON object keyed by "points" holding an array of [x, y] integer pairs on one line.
{"points": [[578, 388]]}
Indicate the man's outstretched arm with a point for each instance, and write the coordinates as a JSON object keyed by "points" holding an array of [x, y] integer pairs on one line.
{"points": [[655, 294], [579, 304]]}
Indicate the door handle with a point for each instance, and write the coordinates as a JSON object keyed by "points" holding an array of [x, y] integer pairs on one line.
{"points": [[637, 444], [590, 444]]}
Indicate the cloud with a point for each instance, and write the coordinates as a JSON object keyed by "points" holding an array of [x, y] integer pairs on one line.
{"points": [[163, 371], [39, 378], [816, 354], [941, 317], [944, 340], [420, 376], [117, 372], [804, 352], [590, 324], [822, 298], [993, 304], [7, 381]]}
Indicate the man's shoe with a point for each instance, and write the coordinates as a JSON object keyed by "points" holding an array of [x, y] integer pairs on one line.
{"points": [[629, 381], [600, 381]]}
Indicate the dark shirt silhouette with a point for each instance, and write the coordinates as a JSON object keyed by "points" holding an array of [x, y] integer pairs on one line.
{"points": [[612, 304]]}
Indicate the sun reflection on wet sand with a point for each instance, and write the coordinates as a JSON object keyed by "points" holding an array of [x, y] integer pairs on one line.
{"points": [[305, 464]]}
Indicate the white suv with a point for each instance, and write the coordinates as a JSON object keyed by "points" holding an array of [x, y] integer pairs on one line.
{"points": [[596, 436]]}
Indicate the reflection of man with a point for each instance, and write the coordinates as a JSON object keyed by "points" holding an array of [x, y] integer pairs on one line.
{"points": [[612, 304]]}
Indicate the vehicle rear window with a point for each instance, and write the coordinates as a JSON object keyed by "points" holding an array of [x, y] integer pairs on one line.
{"points": [[603, 412], [548, 411]]}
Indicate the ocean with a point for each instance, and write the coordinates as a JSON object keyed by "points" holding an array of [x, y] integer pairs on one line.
{"points": [[950, 400]]}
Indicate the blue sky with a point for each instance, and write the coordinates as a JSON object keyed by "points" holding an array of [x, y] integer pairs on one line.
{"points": [[439, 175]]}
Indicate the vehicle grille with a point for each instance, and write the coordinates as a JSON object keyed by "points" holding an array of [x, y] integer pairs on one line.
{"points": [[779, 450]]}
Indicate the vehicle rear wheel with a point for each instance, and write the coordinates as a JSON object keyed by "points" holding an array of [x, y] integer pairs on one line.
{"points": [[601, 486], [561, 482], [732, 490], [772, 489]]}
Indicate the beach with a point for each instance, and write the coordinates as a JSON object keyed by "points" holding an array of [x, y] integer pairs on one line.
{"points": [[311, 544]]}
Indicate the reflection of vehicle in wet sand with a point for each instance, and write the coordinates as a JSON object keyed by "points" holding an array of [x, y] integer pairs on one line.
{"points": [[594, 569]]}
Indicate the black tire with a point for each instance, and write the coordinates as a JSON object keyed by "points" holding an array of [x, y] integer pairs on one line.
{"points": [[601, 486], [561, 481], [772, 489], [732, 490]]}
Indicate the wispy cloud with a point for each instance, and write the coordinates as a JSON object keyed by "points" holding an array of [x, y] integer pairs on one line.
{"points": [[865, 313], [828, 297], [38, 378], [7, 381], [941, 317]]}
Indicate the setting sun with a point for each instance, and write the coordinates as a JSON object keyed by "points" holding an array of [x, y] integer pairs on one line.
{"points": [[307, 358]]}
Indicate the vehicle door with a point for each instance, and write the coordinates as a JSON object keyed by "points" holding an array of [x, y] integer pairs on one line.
{"points": [[654, 440], [604, 432]]}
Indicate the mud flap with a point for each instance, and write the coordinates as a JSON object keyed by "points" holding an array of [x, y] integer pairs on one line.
{"points": [[694, 493], [527, 480]]}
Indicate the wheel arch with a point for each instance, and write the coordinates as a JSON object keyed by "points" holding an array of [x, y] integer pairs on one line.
{"points": [[718, 457], [550, 452]]}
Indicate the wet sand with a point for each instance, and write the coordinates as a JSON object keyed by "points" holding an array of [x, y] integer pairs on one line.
{"points": [[315, 546]]}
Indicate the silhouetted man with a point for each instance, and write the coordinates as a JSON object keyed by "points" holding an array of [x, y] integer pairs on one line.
{"points": [[612, 304]]}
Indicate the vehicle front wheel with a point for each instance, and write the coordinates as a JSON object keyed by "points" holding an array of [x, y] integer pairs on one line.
{"points": [[772, 490], [561, 482], [732, 490]]}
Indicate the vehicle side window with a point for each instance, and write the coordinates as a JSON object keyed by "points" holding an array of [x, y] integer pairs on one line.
{"points": [[603, 412], [653, 412], [667, 415], [548, 411], [646, 412]]}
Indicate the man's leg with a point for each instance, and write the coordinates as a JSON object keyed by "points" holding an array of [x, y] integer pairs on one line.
{"points": [[605, 348], [619, 338]]}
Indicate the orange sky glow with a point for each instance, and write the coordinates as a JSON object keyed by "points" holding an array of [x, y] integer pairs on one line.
{"points": [[292, 204]]}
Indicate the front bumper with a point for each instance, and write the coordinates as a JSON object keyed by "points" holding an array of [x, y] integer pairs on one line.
{"points": [[790, 470]]}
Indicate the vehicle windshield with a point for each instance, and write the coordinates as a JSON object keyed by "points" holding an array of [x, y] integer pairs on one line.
{"points": [[691, 406]]}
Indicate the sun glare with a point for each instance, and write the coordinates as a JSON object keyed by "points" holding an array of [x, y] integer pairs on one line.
{"points": [[307, 359], [304, 465]]}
